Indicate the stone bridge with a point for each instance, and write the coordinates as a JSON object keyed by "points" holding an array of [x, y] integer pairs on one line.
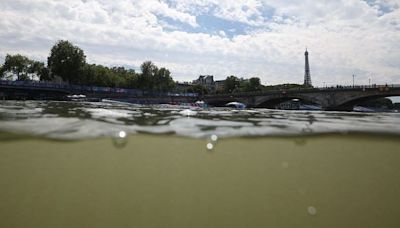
{"points": [[338, 98]]}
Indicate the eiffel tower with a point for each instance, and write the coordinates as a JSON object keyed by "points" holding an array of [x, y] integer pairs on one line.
{"points": [[307, 76]]}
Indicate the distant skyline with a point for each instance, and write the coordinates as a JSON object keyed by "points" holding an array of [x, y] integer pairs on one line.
{"points": [[262, 38]]}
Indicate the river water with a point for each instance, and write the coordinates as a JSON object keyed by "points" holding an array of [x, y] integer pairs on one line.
{"points": [[76, 164]]}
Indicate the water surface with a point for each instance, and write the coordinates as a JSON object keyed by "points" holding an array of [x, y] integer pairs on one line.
{"points": [[69, 120]]}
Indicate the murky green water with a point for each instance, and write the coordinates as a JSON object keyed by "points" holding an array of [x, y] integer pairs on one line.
{"points": [[70, 165]]}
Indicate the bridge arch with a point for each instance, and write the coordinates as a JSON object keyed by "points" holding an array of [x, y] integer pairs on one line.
{"points": [[224, 101], [272, 102], [348, 104]]}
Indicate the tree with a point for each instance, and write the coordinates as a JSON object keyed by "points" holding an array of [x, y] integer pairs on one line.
{"points": [[44, 74], [17, 64], [255, 84], [1, 72], [199, 89], [131, 80], [99, 75], [66, 61], [153, 78], [249, 85], [146, 78], [231, 84], [24, 67], [39, 69], [163, 81]]}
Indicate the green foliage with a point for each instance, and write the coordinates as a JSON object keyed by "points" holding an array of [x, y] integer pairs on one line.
{"points": [[66, 61], [199, 89], [22, 66], [69, 62], [163, 80], [35, 66], [99, 75], [17, 64], [39, 69], [1, 71], [250, 85], [232, 84], [44, 74], [146, 78], [23, 77], [255, 84], [154, 79], [151, 78]]}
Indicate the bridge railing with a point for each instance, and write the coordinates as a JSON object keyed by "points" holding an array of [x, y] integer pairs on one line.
{"points": [[90, 89], [305, 90], [373, 86], [38, 84], [137, 92]]}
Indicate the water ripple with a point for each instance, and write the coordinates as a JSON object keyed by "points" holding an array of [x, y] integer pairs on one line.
{"points": [[72, 120]]}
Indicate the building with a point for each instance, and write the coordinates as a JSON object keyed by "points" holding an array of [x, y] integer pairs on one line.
{"points": [[207, 81]]}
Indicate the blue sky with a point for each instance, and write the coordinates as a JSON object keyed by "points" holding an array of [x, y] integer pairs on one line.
{"points": [[263, 38]]}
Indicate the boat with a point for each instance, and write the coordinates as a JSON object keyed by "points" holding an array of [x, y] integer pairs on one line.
{"points": [[201, 104], [236, 105], [82, 98]]}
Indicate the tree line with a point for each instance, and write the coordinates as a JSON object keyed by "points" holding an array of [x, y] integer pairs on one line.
{"points": [[233, 84], [68, 63], [23, 67]]}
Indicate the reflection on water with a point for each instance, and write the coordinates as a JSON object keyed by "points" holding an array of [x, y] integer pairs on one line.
{"points": [[69, 120]]}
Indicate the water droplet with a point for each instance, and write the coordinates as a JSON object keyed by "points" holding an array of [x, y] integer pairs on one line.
{"points": [[210, 146], [214, 138], [312, 210], [120, 139], [122, 134]]}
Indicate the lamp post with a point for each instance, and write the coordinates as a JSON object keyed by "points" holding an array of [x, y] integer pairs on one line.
{"points": [[353, 80], [369, 80]]}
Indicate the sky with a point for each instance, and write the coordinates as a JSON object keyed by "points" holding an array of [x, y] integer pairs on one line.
{"points": [[246, 38]]}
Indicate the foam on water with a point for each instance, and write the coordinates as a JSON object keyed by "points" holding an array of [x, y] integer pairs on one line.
{"points": [[74, 120]]}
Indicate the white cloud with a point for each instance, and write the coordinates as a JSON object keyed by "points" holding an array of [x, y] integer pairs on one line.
{"points": [[248, 11], [343, 37]]}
